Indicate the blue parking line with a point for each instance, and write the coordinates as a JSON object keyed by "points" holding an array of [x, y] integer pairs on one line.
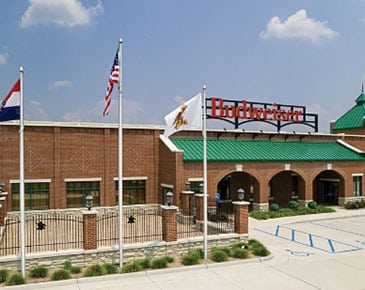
{"points": [[310, 239], [277, 230], [336, 229]]}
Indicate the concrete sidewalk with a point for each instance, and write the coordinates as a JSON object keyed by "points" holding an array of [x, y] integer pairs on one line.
{"points": [[294, 263]]}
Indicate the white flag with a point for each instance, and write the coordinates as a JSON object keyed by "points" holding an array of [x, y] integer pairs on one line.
{"points": [[187, 116]]}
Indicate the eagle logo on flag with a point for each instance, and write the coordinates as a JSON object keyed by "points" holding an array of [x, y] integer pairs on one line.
{"points": [[180, 119]]}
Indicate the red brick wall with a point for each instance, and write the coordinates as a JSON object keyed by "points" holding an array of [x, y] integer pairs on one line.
{"points": [[59, 151]]}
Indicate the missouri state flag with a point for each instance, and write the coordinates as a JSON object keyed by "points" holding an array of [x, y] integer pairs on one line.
{"points": [[10, 105], [187, 116]]}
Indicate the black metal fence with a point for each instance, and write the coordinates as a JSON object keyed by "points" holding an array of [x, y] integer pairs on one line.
{"points": [[51, 231], [140, 225], [44, 232]]}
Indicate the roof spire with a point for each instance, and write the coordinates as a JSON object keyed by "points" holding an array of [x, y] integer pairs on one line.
{"points": [[362, 87]]}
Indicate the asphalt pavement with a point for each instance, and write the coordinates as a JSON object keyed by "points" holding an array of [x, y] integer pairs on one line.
{"points": [[324, 251]]}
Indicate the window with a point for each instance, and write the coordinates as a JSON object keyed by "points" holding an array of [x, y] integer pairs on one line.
{"points": [[294, 184], [76, 191], [36, 195], [134, 191], [196, 185], [357, 182]]}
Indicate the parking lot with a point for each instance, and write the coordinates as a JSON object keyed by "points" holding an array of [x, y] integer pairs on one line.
{"points": [[332, 236]]}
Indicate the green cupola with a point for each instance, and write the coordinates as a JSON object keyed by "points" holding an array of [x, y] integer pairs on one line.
{"points": [[354, 118]]}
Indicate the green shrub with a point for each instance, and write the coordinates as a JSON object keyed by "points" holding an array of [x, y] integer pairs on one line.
{"points": [[158, 263], [73, 269], [219, 255], [294, 205], [15, 279], [239, 253], [110, 268], [169, 259], [132, 267], [61, 274], [4, 274], [274, 207], [258, 249], [38, 272], [67, 264], [239, 245], [145, 263], [312, 204], [94, 270], [192, 257]]}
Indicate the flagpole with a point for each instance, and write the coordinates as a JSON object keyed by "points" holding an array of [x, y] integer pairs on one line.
{"points": [[21, 176], [205, 184], [120, 157]]}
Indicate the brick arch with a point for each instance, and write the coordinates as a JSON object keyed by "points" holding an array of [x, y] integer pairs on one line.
{"points": [[328, 186], [238, 179], [286, 186]]}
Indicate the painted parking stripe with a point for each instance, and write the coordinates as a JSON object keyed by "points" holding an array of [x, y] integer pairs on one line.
{"points": [[310, 240], [337, 229]]}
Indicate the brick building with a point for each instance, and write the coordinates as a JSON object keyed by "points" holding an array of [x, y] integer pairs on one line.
{"points": [[64, 162]]}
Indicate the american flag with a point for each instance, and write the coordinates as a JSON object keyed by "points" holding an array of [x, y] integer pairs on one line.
{"points": [[113, 79]]}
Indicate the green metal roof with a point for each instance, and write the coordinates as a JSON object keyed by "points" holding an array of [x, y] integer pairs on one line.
{"points": [[354, 118], [264, 151]]}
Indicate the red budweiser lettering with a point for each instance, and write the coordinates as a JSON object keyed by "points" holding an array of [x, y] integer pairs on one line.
{"points": [[245, 111]]}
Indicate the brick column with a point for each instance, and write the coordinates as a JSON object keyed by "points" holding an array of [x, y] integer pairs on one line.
{"points": [[4, 207], [169, 224], [240, 210], [199, 201], [89, 229], [185, 202]]}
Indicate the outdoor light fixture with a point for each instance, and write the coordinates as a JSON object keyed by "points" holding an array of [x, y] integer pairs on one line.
{"points": [[201, 187], [187, 185], [169, 196], [89, 201], [241, 194]]}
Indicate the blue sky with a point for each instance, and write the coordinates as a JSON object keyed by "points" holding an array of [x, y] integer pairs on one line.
{"points": [[307, 53]]}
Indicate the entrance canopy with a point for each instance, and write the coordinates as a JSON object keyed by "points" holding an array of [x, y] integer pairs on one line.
{"points": [[264, 150]]}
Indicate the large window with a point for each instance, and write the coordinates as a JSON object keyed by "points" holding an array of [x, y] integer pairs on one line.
{"points": [[357, 182], [36, 195], [76, 192], [134, 191]]}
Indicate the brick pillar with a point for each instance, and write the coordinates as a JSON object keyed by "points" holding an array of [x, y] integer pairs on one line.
{"points": [[169, 224], [89, 229], [4, 207], [199, 201], [240, 209], [186, 196]]}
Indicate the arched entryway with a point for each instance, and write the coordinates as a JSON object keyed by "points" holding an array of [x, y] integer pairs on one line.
{"points": [[227, 187], [327, 187], [286, 186]]}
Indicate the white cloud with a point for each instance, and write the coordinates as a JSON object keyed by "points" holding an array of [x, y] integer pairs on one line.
{"points": [[3, 58], [298, 25], [35, 111], [60, 84], [66, 13], [132, 112]]}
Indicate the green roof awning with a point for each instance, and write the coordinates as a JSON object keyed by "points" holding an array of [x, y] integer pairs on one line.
{"points": [[354, 118], [264, 151]]}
